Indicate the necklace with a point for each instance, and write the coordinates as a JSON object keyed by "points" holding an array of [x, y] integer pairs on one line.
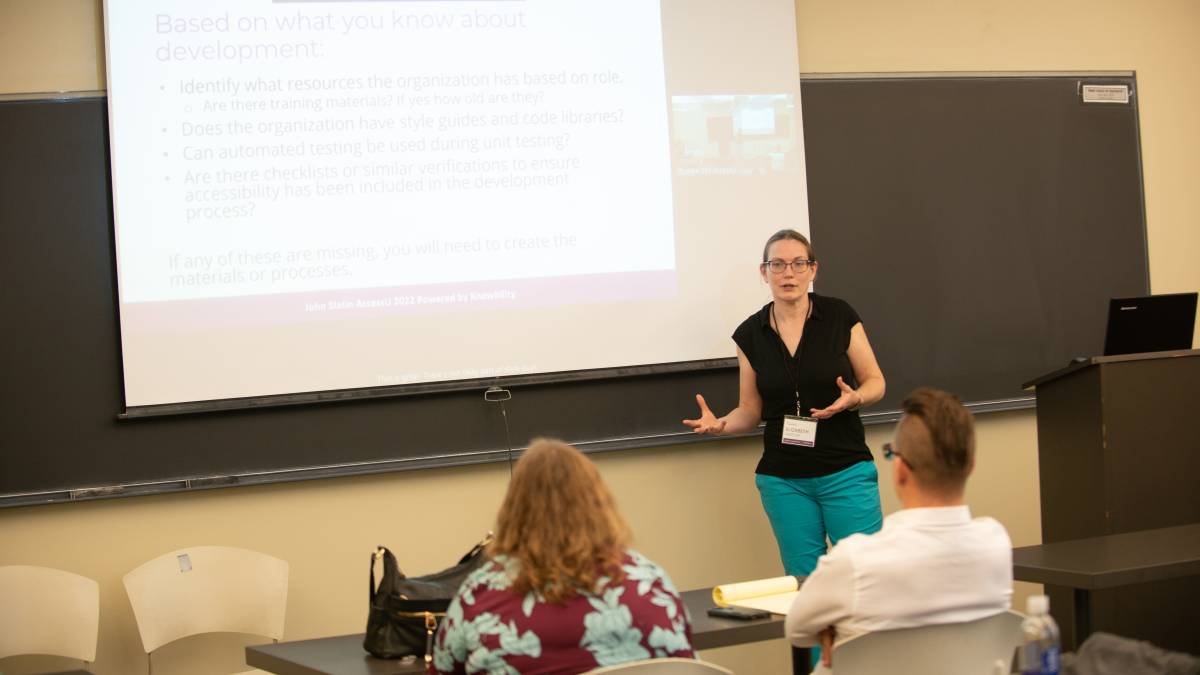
{"points": [[787, 358]]}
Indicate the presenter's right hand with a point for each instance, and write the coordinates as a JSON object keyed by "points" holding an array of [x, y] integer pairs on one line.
{"points": [[708, 423]]}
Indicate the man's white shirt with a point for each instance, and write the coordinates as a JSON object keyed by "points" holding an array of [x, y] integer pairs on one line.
{"points": [[926, 566]]}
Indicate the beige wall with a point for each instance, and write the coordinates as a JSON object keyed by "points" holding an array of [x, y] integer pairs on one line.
{"points": [[51, 45], [693, 507]]}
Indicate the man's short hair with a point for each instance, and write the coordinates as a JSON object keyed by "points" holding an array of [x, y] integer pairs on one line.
{"points": [[945, 465]]}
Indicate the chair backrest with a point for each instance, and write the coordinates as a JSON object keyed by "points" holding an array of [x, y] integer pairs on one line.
{"points": [[208, 589], [672, 666], [48, 611], [970, 648]]}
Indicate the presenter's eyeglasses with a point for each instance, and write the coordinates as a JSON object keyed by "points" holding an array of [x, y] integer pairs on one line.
{"points": [[799, 266], [890, 451]]}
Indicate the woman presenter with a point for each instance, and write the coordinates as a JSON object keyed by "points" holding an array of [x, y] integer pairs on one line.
{"points": [[805, 368]]}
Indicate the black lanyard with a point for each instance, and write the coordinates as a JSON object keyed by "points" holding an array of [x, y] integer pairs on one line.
{"points": [[787, 358]]}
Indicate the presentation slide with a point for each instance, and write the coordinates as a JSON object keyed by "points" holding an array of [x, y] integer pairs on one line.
{"points": [[312, 196]]}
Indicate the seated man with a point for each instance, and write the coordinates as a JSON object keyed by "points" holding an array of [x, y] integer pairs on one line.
{"points": [[931, 563]]}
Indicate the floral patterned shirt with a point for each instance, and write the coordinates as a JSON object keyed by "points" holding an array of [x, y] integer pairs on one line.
{"points": [[490, 629]]}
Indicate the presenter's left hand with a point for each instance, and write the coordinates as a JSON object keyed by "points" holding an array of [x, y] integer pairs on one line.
{"points": [[847, 400]]}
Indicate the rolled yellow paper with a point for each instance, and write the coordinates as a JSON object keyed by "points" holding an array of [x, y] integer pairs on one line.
{"points": [[729, 594]]}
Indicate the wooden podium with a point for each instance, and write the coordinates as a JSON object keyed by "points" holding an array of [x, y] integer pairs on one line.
{"points": [[1119, 451]]}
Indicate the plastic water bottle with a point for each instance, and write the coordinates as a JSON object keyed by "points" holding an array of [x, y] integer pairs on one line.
{"points": [[1040, 648]]}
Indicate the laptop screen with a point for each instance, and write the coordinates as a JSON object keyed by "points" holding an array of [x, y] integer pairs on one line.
{"points": [[1153, 323]]}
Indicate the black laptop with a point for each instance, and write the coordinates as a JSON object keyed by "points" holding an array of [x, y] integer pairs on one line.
{"points": [[1155, 323]]}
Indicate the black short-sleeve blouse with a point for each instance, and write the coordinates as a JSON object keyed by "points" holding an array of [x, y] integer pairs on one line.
{"points": [[819, 360]]}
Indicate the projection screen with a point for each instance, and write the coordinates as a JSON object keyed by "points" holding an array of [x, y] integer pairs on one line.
{"points": [[314, 196]]}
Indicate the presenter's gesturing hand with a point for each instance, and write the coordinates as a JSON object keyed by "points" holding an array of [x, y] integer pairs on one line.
{"points": [[741, 419], [848, 400], [708, 423], [866, 370]]}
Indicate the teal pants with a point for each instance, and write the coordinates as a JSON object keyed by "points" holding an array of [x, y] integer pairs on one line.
{"points": [[804, 511]]}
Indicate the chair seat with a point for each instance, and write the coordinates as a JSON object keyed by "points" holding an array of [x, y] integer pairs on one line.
{"points": [[48, 611], [671, 666], [208, 589], [968, 648]]}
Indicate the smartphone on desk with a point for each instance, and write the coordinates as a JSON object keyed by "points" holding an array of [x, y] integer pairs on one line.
{"points": [[739, 613]]}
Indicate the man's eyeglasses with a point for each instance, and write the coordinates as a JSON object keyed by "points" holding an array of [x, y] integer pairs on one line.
{"points": [[799, 266], [890, 451]]}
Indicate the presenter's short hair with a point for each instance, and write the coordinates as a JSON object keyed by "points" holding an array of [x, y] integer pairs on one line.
{"points": [[788, 234], [948, 460]]}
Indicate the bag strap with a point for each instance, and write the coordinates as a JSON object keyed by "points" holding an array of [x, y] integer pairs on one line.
{"points": [[391, 571], [477, 549], [374, 556]]}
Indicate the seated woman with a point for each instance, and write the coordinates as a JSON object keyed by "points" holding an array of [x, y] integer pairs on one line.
{"points": [[562, 593]]}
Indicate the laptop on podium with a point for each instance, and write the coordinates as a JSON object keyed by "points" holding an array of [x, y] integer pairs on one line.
{"points": [[1154, 323]]}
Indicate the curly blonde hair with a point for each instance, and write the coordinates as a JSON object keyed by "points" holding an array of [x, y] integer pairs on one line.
{"points": [[560, 523]]}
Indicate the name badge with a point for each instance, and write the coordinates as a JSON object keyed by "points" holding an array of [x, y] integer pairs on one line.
{"points": [[799, 431]]}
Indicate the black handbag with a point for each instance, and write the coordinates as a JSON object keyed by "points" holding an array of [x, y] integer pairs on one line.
{"points": [[405, 611]]}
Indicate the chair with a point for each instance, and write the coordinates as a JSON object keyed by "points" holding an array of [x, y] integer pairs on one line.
{"points": [[207, 589], [970, 648], [672, 666], [48, 611]]}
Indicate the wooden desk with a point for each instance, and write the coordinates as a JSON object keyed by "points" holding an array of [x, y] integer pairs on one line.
{"points": [[1085, 565], [344, 655]]}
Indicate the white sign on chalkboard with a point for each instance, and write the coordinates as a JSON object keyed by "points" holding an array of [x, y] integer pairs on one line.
{"points": [[1105, 93]]}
